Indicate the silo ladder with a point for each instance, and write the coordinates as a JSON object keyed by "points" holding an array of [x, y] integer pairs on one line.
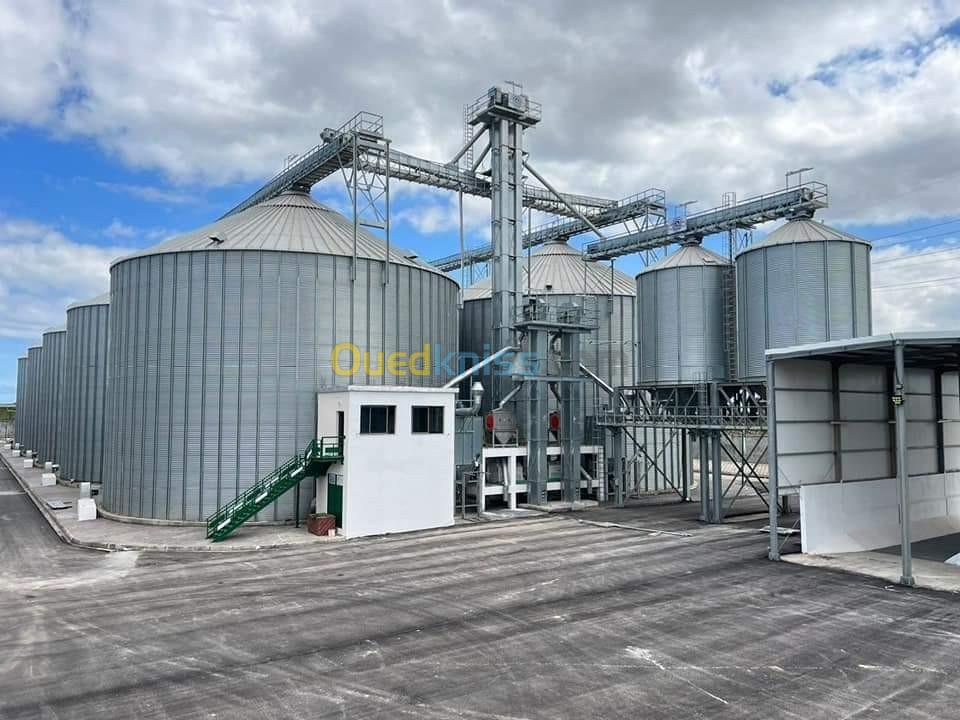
{"points": [[313, 462]]}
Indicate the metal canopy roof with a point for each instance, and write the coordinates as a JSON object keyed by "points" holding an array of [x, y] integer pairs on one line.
{"points": [[290, 222], [921, 349], [561, 269]]}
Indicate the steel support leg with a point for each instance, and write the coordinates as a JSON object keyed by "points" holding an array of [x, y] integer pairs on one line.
{"points": [[538, 419], [617, 464], [704, 477], [903, 476], [773, 486], [717, 463]]}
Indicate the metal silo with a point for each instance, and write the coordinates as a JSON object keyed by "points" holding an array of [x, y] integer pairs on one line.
{"points": [[81, 456], [804, 283], [32, 396], [559, 271], [19, 418], [219, 340], [682, 318], [51, 392]]}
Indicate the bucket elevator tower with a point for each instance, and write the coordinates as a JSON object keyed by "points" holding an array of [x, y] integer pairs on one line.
{"points": [[505, 113]]}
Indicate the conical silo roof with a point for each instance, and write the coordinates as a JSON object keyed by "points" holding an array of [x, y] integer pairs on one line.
{"points": [[804, 230], [103, 299], [55, 329], [290, 222], [688, 256], [560, 269]]}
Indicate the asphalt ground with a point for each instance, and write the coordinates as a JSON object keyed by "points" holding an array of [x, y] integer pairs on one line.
{"points": [[545, 617]]}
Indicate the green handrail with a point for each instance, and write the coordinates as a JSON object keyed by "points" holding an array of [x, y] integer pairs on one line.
{"points": [[318, 456]]}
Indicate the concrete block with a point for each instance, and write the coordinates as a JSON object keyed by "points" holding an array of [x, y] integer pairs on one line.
{"points": [[48, 479], [17, 453], [48, 466], [86, 509], [17, 446], [28, 463], [84, 490]]}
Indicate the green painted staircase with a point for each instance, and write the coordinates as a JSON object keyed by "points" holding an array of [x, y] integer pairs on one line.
{"points": [[313, 462]]}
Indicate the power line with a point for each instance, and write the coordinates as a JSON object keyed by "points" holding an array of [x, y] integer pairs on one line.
{"points": [[917, 283], [910, 241], [903, 258], [917, 229]]}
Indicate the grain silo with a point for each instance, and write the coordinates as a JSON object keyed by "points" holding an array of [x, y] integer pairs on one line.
{"points": [[20, 416], [219, 340], [804, 283], [559, 272], [32, 397], [81, 456], [51, 392], [682, 318]]}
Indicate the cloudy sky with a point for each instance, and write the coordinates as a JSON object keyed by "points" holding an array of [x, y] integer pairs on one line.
{"points": [[122, 123]]}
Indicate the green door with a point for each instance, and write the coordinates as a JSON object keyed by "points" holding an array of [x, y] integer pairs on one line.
{"points": [[335, 498]]}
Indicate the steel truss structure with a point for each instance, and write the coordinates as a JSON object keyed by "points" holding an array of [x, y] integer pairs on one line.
{"points": [[363, 154], [552, 332], [728, 423]]}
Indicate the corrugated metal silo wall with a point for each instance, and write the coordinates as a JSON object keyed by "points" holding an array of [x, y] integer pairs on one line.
{"points": [[84, 396], [799, 293], [52, 385], [34, 373], [215, 358], [681, 325], [21, 409], [608, 351]]}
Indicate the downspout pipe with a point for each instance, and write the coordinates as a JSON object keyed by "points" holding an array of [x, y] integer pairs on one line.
{"points": [[603, 384], [476, 397], [479, 366]]}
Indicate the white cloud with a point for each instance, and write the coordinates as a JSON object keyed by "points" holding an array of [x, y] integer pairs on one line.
{"points": [[41, 272], [674, 95], [917, 288], [150, 193], [119, 229], [33, 42]]}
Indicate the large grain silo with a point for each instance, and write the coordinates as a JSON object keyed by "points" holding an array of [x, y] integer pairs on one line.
{"points": [[81, 456], [220, 338], [683, 310], [32, 397], [804, 283], [559, 272], [19, 418], [51, 392]]}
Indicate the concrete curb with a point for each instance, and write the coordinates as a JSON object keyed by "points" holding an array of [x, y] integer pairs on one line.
{"points": [[51, 519], [69, 539]]}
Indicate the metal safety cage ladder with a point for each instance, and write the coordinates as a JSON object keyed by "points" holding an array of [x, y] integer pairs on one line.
{"points": [[313, 462]]}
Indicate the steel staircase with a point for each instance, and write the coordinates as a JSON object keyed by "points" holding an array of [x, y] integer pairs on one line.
{"points": [[313, 462]]}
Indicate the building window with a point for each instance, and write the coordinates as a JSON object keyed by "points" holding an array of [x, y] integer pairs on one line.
{"points": [[377, 419], [427, 419]]}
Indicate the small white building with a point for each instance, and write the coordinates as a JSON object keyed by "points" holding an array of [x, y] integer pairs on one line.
{"points": [[397, 473]]}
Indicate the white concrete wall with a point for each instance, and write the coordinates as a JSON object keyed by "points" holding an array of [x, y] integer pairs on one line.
{"points": [[856, 516], [399, 482]]}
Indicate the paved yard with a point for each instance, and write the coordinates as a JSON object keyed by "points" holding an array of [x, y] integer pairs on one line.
{"points": [[534, 618]]}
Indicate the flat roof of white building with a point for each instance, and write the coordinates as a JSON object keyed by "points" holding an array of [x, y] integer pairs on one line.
{"points": [[387, 389]]}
